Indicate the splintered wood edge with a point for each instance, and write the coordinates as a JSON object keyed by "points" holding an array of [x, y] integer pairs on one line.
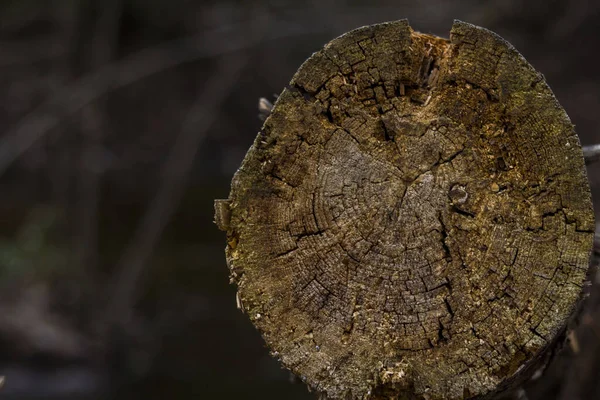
{"points": [[222, 214]]}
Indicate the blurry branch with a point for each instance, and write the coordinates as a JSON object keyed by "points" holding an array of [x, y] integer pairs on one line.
{"points": [[30, 322], [176, 168], [27, 52], [58, 154], [104, 41], [591, 153], [73, 97], [89, 173], [106, 35]]}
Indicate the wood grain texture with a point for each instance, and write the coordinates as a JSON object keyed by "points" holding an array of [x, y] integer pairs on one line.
{"points": [[414, 219]]}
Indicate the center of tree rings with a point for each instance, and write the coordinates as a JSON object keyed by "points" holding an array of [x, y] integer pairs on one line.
{"points": [[414, 218]]}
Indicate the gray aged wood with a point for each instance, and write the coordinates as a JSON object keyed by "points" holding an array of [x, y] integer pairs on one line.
{"points": [[414, 220]]}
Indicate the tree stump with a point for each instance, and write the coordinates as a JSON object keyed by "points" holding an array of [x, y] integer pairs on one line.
{"points": [[414, 219]]}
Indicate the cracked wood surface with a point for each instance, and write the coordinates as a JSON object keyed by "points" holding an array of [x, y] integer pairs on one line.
{"points": [[414, 219]]}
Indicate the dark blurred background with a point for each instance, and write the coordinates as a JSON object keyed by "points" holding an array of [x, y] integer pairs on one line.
{"points": [[122, 120]]}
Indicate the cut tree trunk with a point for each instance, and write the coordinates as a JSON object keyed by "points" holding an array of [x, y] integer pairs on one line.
{"points": [[414, 219]]}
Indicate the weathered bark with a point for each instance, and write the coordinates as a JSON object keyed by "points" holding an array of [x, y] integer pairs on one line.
{"points": [[414, 219]]}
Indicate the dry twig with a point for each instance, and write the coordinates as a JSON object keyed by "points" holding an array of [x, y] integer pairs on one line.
{"points": [[591, 153]]}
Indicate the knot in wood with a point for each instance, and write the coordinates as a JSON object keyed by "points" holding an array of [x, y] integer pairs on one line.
{"points": [[414, 218]]}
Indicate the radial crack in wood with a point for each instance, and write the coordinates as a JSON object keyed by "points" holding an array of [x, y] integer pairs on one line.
{"points": [[414, 219]]}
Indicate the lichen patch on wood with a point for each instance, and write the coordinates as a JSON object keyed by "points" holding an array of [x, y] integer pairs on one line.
{"points": [[414, 218]]}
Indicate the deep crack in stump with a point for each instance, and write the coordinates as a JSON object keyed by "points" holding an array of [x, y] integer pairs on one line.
{"points": [[414, 220]]}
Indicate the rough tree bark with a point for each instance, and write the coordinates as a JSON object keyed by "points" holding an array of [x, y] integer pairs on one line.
{"points": [[414, 219]]}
